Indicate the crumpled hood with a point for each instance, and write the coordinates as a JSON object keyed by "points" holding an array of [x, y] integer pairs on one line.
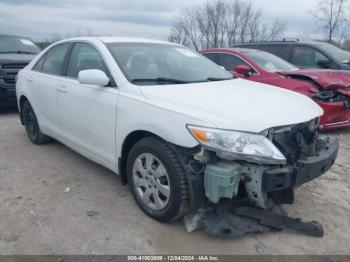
{"points": [[286, 82], [327, 79], [235, 104]]}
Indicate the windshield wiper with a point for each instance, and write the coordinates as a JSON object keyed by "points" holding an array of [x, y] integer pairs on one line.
{"points": [[18, 52], [213, 79], [159, 79], [177, 81]]}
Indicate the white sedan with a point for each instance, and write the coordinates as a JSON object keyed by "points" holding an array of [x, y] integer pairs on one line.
{"points": [[175, 126]]}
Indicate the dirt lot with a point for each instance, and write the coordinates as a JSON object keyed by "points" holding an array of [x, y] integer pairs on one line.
{"points": [[37, 216]]}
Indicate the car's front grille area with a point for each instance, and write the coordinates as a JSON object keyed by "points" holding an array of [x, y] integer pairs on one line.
{"points": [[295, 141], [8, 72]]}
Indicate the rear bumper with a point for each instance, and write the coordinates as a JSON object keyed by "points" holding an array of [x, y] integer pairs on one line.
{"points": [[304, 170], [336, 116]]}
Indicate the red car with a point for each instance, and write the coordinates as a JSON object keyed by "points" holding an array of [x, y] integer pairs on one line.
{"points": [[329, 88]]}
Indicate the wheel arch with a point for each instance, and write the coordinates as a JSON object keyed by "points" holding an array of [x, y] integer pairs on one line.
{"points": [[130, 140], [22, 100]]}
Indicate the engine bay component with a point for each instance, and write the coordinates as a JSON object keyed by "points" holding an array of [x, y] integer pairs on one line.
{"points": [[254, 185], [243, 197], [221, 180]]}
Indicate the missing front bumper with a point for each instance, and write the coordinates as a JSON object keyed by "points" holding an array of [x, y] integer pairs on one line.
{"points": [[264, 183], [221, 213], [304, 171]]}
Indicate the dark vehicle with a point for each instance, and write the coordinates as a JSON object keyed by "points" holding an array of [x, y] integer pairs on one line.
{"points": [[304, 54], [15, 53]]}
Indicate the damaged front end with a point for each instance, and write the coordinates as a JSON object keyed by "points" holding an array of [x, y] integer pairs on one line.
{"points": [[336, 106], [333, 95], [237, 192]]}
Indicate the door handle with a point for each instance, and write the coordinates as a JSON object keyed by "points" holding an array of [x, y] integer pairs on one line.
{"points": [[62, 89], [30, 79]]}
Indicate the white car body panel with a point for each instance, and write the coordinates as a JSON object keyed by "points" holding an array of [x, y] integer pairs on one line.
{"points": [[44, 101], [95, 121], [236, 104], [88, 117]]}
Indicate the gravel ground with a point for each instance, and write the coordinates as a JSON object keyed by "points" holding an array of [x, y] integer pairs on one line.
{"points": [[54, 201]]}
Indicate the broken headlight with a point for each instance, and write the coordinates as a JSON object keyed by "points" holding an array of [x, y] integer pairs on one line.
{"points": [[236, 145]]}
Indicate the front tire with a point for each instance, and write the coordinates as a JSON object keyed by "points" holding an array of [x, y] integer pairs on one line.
{"points": [[32, 126], [157, 180]]}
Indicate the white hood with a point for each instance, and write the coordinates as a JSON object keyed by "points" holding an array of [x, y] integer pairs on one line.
{"points": [[235, 104]]}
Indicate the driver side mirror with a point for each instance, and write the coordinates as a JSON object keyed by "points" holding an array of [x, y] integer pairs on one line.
{"points": [[244, 70], [324, 63], [93, 77]]}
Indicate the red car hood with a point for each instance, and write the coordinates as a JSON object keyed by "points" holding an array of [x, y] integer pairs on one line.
{"points": [[301, 87], [327, 79]]}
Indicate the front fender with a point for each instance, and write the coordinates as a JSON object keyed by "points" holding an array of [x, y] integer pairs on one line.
{"points": [[137, 115]]}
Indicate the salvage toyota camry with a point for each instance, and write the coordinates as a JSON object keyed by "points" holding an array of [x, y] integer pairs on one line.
{"points": [[180, 130]]}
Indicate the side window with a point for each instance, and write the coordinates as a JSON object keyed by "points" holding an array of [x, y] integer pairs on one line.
{"points": [[304, 56], [230, 62], [39, 65], [213, 57], [54, 60], [84, 57], [283, 51]]}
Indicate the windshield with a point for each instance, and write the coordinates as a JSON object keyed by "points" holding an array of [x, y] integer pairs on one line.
{"points": [[14, 44], [156, 64], [269, 61], [340, 55]]}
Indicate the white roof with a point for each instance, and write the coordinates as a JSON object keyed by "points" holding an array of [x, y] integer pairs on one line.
{"points": [[110, 39]]}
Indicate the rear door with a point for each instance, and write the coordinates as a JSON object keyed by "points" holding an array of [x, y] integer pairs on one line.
{"points": [[42, 82], [88, 114]]}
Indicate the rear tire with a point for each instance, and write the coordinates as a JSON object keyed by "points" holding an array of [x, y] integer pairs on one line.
{"points": [[157, 180], [32, 126]]}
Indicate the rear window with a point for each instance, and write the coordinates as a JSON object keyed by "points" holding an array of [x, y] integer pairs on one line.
{"points": [[54, 60], [39, 65]]}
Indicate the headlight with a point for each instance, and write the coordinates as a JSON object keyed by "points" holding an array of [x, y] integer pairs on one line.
{"points": [[238, 145], [314, 124]]}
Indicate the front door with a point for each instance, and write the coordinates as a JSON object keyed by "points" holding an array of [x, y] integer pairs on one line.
{"points": [[88, 114]]}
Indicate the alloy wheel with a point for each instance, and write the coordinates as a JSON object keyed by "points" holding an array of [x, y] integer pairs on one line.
{"points": [[151, 181]]}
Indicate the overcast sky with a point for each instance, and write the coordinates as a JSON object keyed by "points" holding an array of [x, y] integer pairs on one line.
{"points": [[39, 19]]}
